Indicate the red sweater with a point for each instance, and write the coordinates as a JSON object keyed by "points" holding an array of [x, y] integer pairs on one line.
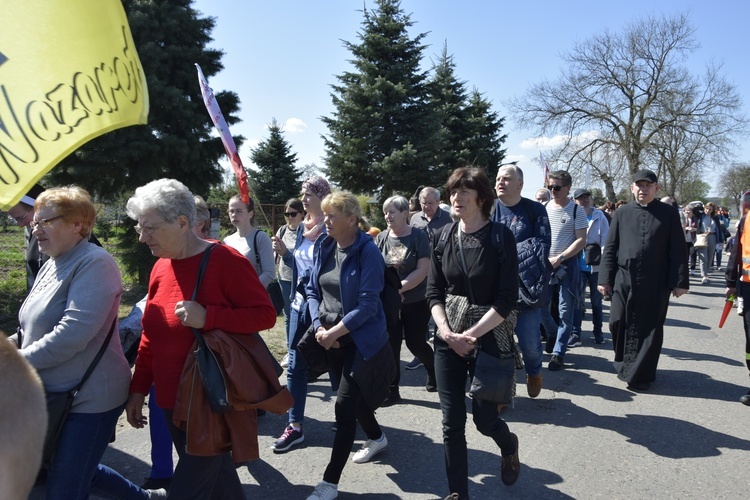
{"points": [[235, 302]]}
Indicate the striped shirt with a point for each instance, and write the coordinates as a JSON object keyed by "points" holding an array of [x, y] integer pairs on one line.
{"points": [[561, 225]]}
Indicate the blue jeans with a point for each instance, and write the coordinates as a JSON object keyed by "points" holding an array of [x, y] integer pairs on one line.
{"points": [[161, 442], [590, 280], [296, 372], [75, 471], [529, 340], [568, 292]]}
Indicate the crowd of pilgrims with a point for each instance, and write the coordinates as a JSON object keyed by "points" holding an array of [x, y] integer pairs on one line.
{"points": [[332, 270]]}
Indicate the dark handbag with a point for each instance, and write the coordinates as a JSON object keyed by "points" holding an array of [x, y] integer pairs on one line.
{"points": [[274, 288], [60, 403], [314, 354], [277, 297], [209, 367], [493, 378], [593, 254]]}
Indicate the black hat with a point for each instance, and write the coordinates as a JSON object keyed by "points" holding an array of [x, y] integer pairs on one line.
{"points": [[644, 175], [580, 192]]}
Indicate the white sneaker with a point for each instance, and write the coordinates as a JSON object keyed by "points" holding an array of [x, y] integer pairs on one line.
{"points": [[369, 450], [705, 281], [325, 491]]}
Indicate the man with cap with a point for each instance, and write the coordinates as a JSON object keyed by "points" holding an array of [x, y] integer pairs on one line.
{"points": [[644, 259], [23, 214], [588, 263], [527, 219]]}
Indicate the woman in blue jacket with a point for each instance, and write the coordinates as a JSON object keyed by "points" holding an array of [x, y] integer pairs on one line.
{"points": [[344, 302]]}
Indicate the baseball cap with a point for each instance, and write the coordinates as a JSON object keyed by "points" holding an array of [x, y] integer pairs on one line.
{"points": [[580, 192], [644, 175]]}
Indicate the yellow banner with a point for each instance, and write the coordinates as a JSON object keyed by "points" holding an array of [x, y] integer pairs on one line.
{"points": [[69, 72]]}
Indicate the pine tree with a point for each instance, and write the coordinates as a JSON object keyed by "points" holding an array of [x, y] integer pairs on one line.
{"points": [[448, 100], [278, 179], [381, 133], [484, 138]]}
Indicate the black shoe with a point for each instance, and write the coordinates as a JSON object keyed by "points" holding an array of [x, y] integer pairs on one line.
{"points": [[745, 400], [431, 385], [639, 386], [393, 398], [556, 363], [156, 483], [510, 467], [598, 339]]}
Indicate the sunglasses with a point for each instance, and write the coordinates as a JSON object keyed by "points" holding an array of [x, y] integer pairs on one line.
{"points": [[555, 188], [291, 214]]}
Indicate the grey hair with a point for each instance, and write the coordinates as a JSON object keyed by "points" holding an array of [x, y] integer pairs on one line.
{"points": [[398, 202], [169, 198], [429, 190], [513, 167], [202, 215]]}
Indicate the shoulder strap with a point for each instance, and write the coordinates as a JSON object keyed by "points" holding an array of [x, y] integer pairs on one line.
{"points": [[283, 231], [255, 251], [445, 233], [201, 272], [96, 360]]}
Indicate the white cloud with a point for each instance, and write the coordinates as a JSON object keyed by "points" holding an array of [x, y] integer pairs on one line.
{"points": [[547, 143], [294, 125]]}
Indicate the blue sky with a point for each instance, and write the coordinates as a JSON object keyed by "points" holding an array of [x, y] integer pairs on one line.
{"points": [[282, 56]]}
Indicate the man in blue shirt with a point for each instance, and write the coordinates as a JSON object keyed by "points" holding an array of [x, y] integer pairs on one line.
{"points": [[527, 219]]}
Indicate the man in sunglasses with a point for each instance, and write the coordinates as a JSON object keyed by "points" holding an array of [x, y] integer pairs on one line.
{"points": [[568, 224]]}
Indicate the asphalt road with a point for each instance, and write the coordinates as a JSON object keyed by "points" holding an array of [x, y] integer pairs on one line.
{"points": [[585, 436]]}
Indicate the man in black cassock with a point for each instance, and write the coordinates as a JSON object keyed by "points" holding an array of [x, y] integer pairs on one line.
{"points": [[643, 260]]}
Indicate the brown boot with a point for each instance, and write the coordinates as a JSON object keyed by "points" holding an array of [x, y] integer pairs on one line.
{"points": [[534, 385]]}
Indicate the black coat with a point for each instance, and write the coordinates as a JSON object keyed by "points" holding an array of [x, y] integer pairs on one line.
{"points": [[644, 258]]}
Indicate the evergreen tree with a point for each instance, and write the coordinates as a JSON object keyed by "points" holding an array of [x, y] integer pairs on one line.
{"points": [[177, 141], [278, 178], [448, 100], [484, 138], [381, 134]]}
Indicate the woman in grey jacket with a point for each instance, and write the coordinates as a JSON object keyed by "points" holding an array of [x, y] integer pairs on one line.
{"points": [[64, 322]]}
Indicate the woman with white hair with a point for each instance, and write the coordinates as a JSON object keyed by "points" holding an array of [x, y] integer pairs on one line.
{"points": [[230, 298], [407, 250]]}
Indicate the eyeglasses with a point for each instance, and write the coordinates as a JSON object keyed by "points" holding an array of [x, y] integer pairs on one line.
{"points": [[44, 223], [20, 219], [290, 214], [149, 229], [555, 188]]}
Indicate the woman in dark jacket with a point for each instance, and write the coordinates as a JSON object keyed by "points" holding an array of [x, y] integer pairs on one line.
{"points": [[493, 283], [344, 301]]}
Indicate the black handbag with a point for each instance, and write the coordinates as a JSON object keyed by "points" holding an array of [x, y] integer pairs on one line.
{"points": [[593, 254], [60, 403], [277, 297], [274, 288], [209, 367], [493, 378]]}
